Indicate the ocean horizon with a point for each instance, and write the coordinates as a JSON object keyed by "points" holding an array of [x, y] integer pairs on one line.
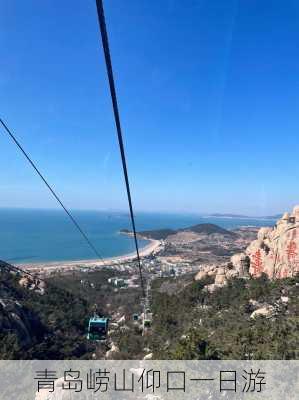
{"points": [[40, 235]]}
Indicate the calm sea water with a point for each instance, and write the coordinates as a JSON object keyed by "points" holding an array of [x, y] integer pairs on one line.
{"points": [[48, 235]]}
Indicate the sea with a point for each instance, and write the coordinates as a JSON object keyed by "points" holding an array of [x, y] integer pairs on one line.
{"points": [[35, 235]]}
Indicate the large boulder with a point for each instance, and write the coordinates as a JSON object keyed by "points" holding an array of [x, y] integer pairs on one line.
{"points": [[220, 279], [148, 356], [113, 350], [208, 270], [200, 275], [239, 266], [274, 252], [266, 311]]}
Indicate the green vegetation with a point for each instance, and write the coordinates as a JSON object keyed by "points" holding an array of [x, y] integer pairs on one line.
{"points": [[49, 326], [209, 229], [53, 325], [192, 324], [158, 234], [188, 322], [161, 234]]}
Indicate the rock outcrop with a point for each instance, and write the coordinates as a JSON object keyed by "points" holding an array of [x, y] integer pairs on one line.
{"points": [[15, 318], [275, 253], [32, 283], [266, 311]]}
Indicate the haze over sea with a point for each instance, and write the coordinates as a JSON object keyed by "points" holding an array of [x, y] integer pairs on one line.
{"points": [[31, 236]]}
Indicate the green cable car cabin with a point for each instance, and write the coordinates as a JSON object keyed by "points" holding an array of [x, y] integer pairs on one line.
{"points": [[97, 328]]}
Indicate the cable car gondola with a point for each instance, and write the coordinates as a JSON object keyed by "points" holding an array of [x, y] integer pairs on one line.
{"points": [[97, 328]]}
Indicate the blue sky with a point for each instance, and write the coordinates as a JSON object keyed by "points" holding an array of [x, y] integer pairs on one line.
{"points": [[208, 94]]}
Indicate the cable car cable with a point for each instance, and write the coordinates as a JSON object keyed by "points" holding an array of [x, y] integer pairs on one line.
{"points": [[12, 136], [105, 44]]}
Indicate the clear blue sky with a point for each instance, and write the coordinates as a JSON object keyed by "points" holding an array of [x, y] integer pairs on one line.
{"points": [[208, 94]]}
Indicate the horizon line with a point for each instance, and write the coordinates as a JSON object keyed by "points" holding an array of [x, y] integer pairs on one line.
{"points": [[200, 214]]}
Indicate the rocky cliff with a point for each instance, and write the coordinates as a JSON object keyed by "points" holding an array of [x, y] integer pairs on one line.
{"points": [[17, 321], [274, 252]]}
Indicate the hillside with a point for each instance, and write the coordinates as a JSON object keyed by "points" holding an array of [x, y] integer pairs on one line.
{"points": [[38, 324], [48, 319], [247, 319], [230, 310], [188, 321], [208, 229], [203, 243], [162, 234], [157, 234]]}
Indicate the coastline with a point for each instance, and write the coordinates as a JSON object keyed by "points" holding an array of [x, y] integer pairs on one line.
{"points": [[47, 267]]}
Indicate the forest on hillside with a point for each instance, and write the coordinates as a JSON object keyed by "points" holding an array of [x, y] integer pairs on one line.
{"points": [[188, 322]]}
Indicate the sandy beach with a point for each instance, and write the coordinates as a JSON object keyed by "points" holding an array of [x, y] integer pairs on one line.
{"points": [[65, 266]]}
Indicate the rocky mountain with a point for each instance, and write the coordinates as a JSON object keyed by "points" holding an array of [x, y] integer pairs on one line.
{"points": [[274, 253]]}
